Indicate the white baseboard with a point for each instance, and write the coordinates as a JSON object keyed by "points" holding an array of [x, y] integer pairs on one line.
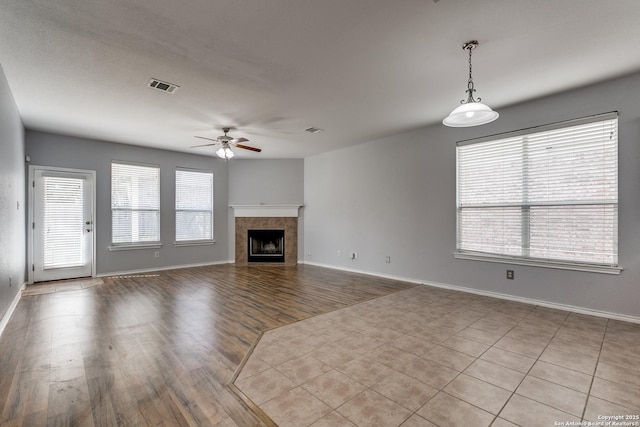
{"points": [[548, 304], [171, 267], [370, 273], [5, 319]]}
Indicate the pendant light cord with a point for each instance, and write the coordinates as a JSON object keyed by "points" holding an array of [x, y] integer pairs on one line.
{"points": [[470, 88]]}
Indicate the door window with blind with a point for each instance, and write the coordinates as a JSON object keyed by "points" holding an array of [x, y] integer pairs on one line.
{"points": [[62, 223], [135, 205], [194, 206], [548, 195]]}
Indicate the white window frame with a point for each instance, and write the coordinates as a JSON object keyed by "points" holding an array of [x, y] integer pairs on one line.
{"points": [[200, 241], [524, 258], [138, 244]]}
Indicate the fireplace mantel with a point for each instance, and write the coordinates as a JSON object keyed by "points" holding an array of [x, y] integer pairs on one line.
{"points": [[265, 211]]}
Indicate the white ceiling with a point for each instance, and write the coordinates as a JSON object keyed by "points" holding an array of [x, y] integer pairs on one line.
{"points": [[360, 69]]}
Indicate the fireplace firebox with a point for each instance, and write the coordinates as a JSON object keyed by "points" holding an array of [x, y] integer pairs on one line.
{"points": [[265, 245]]}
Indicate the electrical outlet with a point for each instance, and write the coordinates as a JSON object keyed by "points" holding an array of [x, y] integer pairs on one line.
{"points": [[338, 253], [157, 254], [510, 274], [388, 259], [10, 279], [354, 255]]}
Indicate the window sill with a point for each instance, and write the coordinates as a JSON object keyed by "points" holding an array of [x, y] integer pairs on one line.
{"points": [[539, 263], [195, 243], [135, 246]]}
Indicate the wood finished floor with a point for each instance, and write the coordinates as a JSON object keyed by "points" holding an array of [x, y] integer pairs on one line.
{"points": [[157, 349]]}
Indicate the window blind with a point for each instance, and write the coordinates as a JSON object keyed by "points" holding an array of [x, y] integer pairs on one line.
{"points": [[547, 194], [135, 204], [194, 206], [63, 222]]}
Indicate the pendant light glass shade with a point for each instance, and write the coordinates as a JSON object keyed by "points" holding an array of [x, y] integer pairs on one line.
{"points": [[470, 114], [225, 152]]}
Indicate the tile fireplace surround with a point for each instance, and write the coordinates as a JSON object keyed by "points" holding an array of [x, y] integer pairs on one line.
{"points": [[266, 217]]}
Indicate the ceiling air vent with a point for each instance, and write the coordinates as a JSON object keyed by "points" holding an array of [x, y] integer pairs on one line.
{"points": [[314, 130], [163, 86]]}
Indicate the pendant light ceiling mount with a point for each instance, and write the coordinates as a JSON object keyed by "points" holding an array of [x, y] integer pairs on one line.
{"points": [[472, 112]]}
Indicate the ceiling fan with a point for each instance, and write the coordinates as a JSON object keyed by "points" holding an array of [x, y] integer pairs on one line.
{"points": [[226, 142]]}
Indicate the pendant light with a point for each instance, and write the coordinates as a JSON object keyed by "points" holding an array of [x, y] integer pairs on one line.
{"points": [[472, 112]]}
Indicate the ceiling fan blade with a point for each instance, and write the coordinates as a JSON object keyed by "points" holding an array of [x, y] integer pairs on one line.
{"points": [[238, 140], [208, 139], [203, 145], [246, 147]]}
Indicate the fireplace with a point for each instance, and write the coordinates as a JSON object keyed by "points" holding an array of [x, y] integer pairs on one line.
{"points": [[266, 219], [265, 245]]}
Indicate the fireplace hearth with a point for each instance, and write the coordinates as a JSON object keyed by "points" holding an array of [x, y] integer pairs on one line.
{"points": [[265, 245]]}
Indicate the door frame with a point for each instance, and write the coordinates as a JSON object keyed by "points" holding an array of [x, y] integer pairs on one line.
{"points": [[30, 198]]}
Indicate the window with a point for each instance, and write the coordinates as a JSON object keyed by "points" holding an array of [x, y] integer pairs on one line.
{"points": [[548, 195], [135, 205], [194, 206]]}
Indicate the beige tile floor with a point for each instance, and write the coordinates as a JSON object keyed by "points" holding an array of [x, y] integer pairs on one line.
{"points": [[433, 357], [60, 286]]}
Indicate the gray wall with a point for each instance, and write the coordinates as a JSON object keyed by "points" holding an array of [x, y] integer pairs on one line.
{"points": [[12, 198], [397, 197], [268, 182], [47, 149]]}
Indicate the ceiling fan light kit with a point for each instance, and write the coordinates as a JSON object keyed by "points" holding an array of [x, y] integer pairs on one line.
{"points": [[225, 152], [472, 112]]}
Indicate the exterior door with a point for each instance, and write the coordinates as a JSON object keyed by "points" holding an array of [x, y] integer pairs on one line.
{"points": [[63, 224]]}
